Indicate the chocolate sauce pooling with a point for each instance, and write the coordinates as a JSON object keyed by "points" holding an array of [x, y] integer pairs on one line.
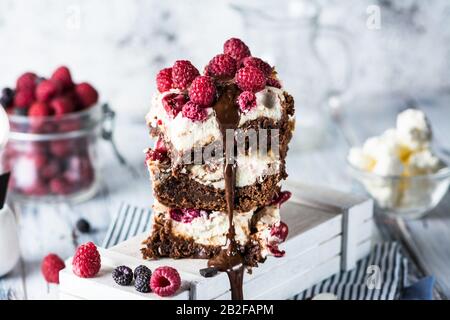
{"points": [[229, 260]]}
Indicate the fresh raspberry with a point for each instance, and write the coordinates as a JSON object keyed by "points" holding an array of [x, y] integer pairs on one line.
{"points": [[142, 269], [173, 103], [72, 96], [203, 91], [281, 198], [161, 146], [86, 94], [191, 214], [61, 148], [155, 155], [39, 188], [50, 170], [142, 282], [183, 73], [69, 125], [79, 169], [60, 186], [122, 275], [221, 66], [62, 74], [237, 49], [258, 63], [176, 214], [186, 215], [24, 98], [46, 90], [86, 262], [42, 125], [194, 112], [280, 231], [39, 109], [61, 106], [26, 81], [36, 147], [164, 80], [165, 281], [50, 267], [250, 79], [159, 153], [272, 82], [38, 159], [246, 101], [276, 251]]}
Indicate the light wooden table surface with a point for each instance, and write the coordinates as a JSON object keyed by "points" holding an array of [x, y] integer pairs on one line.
{"points": [[49, 228]]}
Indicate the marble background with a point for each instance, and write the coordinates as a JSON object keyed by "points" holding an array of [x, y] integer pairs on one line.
{"points": [[119, 45]]}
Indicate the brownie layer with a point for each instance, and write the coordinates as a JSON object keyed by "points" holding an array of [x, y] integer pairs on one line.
{"points": [[180, 191], [162, 243]]}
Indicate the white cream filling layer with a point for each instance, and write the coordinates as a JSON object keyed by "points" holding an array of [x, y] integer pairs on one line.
{"points": [[251, 168], [185, 134], [212, 230]]}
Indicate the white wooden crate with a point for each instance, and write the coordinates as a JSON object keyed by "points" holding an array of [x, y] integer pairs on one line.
{"points": [[328, 232]]}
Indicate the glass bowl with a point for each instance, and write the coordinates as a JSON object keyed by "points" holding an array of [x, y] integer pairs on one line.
{"points": [[54, 158], [404, 197]]}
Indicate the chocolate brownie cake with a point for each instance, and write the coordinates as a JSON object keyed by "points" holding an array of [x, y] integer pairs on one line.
{"points": [[218, 160]]}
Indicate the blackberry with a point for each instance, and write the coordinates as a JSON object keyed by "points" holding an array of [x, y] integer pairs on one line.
{"points": [[122, 275], [141, 269], [142, 282], [7, 98], [83, 226]]}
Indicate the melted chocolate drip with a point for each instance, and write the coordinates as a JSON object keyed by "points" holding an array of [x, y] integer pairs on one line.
{"points": [[229, 260]]}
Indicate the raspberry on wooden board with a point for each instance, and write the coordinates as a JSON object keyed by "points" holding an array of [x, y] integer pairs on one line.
{"points": [[165, 281], [86, 262]]}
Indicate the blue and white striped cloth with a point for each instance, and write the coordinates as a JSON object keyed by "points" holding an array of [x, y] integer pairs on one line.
{"points": [[386, 265], [128, 222]]}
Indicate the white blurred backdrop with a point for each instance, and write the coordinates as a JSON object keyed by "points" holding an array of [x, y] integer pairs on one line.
{"points": [[120, 45]]}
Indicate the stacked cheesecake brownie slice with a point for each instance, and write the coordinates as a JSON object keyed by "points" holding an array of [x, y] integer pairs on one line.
{"points": [[188, 160]]}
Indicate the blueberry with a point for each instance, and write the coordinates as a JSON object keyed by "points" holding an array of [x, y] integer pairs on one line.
{"points": [[7, 97], [83, 226]]}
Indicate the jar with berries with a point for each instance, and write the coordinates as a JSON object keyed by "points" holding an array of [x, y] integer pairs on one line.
{"points": [[54, 124]]}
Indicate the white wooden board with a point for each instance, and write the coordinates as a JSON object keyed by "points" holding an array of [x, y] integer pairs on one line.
{"points": [[315, 249]]}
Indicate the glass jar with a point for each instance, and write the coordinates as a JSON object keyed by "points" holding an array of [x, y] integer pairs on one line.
{"points": [[54, 158], [304, 52]]}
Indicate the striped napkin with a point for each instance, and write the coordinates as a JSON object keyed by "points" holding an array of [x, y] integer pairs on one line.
{"points": [[128, 222], [380, 276]]}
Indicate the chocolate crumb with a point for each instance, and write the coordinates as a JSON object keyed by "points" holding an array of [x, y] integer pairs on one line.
{"points": [[208, 272]]}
